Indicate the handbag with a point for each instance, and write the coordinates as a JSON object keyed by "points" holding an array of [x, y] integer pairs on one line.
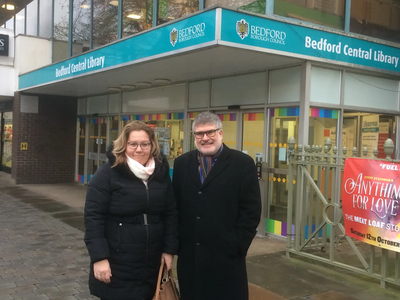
{"points": [[166, 288]]}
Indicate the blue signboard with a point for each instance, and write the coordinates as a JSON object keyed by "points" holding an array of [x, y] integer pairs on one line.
{"points": [[265, 33], [193, 31]]}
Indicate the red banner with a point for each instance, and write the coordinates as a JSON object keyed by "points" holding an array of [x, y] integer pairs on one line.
{"points": [[371, 209]]}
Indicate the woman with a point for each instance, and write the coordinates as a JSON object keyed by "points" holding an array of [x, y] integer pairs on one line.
{"points": [[130, 218]]}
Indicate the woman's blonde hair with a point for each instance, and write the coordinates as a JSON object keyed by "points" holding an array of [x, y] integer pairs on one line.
{"points": [[121, 142]]}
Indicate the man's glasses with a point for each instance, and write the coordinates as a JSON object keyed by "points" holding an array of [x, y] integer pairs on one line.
{"points": [[209, 133], [144, 146]]}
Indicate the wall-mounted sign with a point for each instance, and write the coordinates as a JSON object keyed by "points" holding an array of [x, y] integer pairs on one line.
{"points": [[4, 42], [24, 146]]}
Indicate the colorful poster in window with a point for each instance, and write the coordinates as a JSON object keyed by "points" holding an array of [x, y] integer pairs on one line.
{"points": [[370, 134], [370, 201]]}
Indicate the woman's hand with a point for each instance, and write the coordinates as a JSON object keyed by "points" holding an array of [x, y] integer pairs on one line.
{"points": [[168, 259], [102, 271]]}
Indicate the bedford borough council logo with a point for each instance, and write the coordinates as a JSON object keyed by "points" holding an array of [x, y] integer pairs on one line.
{"points": [[173, 37], [242, 28]]}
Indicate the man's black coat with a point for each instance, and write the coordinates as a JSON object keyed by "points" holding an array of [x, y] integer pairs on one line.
{"points": [[217, 222]]}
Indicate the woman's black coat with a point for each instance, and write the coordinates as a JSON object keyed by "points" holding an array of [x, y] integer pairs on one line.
{"points": [[116, 202], [217, 222]]}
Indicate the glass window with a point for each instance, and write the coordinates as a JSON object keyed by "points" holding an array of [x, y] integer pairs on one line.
{"points": [[283, 124], [366, 130], [105, 22], [32, 18], [98, 104], [240, 90], [377, 18], [20, 22], [253, 135], [325, 85], [322, 125], [168, 131], [61, 30], [10, 23], [81, 27], [137, 16], [368, 91], [323, 12], [6, 159], [158, 99], [45, 18], [170, 10], [199, 94], [285, 85], [81, 150]]}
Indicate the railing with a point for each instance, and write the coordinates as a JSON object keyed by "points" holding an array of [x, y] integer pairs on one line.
{"points": [[315, 209]]}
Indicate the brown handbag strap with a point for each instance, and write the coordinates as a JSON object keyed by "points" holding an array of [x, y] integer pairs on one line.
{"points": [[160, 275], [171, 278]]}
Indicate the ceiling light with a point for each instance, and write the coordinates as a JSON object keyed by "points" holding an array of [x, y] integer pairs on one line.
{"points": [[85, 6], [143, 84], [162, 80], [114, 89], [9, 6], [134, 16], [114, 2], [128, 87]]}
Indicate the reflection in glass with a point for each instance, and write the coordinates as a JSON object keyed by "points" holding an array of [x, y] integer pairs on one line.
{"points": [[281, 128], [61, 30], [168, 132], [137, 16], [81, 150], [105, 22], [253, 135], [173, 9], [366, 130], [6, 159], [81, 27], [20, 22], [32, 18], [376, 18], [45, 18], [327, 12], [10, 23]]}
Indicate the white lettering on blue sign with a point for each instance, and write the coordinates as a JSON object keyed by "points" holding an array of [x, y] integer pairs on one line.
{"points": [[367, 54]]}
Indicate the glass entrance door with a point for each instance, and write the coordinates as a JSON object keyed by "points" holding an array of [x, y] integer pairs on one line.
{"points": [[284, 123], [6, 141], [97, 144]]}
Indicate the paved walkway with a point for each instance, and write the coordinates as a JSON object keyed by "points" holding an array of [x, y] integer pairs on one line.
{"points": [[42, 254]]}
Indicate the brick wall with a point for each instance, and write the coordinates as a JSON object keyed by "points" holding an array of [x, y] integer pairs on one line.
{"points": [[51, 138]]}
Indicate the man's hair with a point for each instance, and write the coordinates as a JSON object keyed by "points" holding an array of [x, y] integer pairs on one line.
{"points": [[121, 142], [207, 118]]}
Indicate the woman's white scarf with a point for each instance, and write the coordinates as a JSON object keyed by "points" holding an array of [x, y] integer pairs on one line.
{"points": [[140, 171]]}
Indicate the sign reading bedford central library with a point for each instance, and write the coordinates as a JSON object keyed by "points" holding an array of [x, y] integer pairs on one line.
{"points": [[266, 33], [4, 42], [371, 208], [193, 31]]}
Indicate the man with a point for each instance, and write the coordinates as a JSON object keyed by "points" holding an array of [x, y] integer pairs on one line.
{"points": [[219, 206]]}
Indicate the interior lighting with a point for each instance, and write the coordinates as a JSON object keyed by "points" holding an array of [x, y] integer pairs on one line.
{"points": [[114, 89], [134, 16], [8, 6], [144, 84], [85, 6], [161, 80], [114, 2], [128, 87]]}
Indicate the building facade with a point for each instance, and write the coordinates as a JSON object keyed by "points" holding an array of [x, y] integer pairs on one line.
{"points": [[310, 69]]}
